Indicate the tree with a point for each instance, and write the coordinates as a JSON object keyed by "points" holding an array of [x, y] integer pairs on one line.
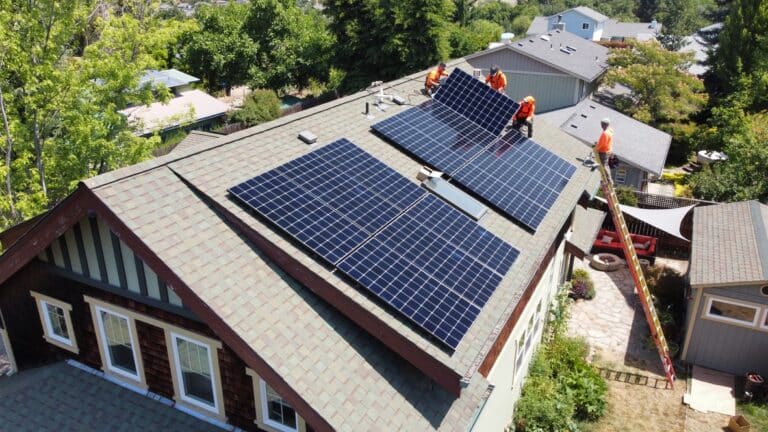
{"points": [[384, 40], [260, 106], [647, 9], [474, 37], [294, 45], [220, 52], [662, 92], [680, 18]]}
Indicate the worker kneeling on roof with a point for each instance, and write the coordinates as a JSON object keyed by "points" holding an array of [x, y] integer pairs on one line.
{"points": [[524, 115], [433, 79], [496, 79]]}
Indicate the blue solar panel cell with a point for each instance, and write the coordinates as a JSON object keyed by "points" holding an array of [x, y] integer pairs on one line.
{"points": [[519, 177], [436, 134], [476, 101], [429, 261]]}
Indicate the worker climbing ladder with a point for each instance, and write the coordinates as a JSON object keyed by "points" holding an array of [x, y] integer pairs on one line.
{"points": [[637, 273]]}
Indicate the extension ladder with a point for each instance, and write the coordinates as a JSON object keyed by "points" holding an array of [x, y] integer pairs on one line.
{"points": [[637, 272]]}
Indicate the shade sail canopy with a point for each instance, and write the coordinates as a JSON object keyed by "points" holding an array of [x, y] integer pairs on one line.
{"points": [[667, 220]]}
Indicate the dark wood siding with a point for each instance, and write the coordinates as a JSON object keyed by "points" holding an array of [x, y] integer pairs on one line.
{"points": [[31, 350]]}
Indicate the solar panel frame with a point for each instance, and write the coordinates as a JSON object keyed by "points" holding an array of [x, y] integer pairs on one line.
{"points": [[477, 101], [518, 176], [436, 134]]}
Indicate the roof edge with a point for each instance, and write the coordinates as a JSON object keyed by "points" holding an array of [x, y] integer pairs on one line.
{"points": [[761, 237]]}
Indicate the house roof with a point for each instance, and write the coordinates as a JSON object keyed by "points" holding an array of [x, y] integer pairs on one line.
{"points": [[729, 244], [587, 12], [639, 31], [238, 267], [586, 224], [187, 106], [634, 142], [194, 138], [588, 62], [170, 77], [539, 25], [63, 398]]}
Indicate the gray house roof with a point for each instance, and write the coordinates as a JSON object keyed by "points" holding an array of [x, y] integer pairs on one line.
{"points": [[587, 12], [586, 60], [586, 224], [175, 205], [729, 244], [639, 31], [194, 138], [170, 77], [634, 142]]}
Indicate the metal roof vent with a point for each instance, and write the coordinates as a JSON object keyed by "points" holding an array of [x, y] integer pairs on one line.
{"points": [[308, 137], [565, 51], [519, 44], [575, 126], [451, 194], [544, 38], [584, 115], [570, 48]]}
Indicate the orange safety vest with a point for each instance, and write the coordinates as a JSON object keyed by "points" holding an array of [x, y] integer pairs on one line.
{"points": [[526, 110], [605, 143], [497, 81], [433, 78]]}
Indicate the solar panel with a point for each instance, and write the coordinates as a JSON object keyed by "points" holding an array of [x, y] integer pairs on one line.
{"points": [[434, 265], [476, 101], [435, 134], [332, 199], [517, 176]]}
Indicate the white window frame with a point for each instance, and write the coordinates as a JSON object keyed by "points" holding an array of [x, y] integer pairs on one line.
{"points": [[585, 25], [104, 346], [621, 175], [265, 411], [712, 299], [69, 344], [215, 408], [764, 321]]}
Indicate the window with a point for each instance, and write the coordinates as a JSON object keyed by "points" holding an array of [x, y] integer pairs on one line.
{"points": [[277, 413], [119, 347], [621, 175], [585, 26], [194, 371], [730, 311], [764, 324], [56, 322]]}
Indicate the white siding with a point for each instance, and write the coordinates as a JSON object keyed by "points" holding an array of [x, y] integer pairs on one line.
{"points": [[74, 256], [129, 264], [90, 249], [109, 254], [58, 257]]}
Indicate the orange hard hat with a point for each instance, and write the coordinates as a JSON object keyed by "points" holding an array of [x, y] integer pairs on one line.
{"points": [[529, 99]]}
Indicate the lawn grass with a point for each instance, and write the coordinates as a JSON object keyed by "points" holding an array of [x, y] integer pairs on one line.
{"points": [[756, 414]]}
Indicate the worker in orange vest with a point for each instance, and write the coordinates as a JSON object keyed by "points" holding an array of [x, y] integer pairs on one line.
{"points": [[496, 79], [433, 79], [524, 115], [604, 145]]}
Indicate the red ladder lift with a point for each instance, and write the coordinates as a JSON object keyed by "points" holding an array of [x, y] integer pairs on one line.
{"points": [[641, 286]]}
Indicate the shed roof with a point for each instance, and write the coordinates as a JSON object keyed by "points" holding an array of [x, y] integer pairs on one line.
{"points": [[729, 244], [586, 224], [634, 142], [169, 77], [178, 206], [187, 106]]}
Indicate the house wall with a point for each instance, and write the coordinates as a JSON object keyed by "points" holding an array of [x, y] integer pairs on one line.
{"points": [[31, 349], [627, 175], [573, 24], [725, 346], [511, 366]]}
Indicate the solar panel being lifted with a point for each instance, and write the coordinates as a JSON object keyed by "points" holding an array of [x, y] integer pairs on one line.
{"points": [[330, 200], [518, 176], [476, 101], [430, 262], [435, 265], [436, 134]]}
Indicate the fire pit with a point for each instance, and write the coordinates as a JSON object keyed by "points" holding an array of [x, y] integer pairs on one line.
{"points": [[606, 262]]}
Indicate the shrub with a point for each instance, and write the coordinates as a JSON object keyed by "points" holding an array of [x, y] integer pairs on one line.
{"points": [[259, 106], [543, 407], [587, 389], [626, 196], [582, 285]]}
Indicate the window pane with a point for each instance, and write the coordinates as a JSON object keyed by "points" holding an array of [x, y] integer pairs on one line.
{"points": [[279, 411], [195, 370], [119, 345], [733, 311], [56, 318]]}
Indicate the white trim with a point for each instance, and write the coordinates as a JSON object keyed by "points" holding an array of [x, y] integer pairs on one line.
{"points": [[49, 324], [265, 412], [708, 307], [70, 342], [180, 374], [764, 322], [105, 345]]}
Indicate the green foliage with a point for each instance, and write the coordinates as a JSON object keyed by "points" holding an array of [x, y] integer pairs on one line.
{"points": [[259, 106], [474, 37], [542, 407], [755, 413], [682, 17], [582, 285], [626, 196], [219, 52]]}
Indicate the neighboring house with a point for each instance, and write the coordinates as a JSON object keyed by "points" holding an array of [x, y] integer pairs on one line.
{"points": [[592, 25], [187, 106], [155, 275], [642, 150], [701, 44], [559, 69], [727, 317]]}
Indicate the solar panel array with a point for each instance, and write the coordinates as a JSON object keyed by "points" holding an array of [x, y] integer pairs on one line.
{"points": [[518, 176], [457, 133], [427, 260], [476, 101]]}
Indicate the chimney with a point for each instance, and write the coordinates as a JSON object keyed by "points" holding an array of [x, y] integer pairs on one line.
{"points": [[560, 25]]}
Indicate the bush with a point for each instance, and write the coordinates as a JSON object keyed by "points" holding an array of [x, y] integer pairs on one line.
{"points": [[626, 196], [582, 285], [542, 407], [259, 106]]}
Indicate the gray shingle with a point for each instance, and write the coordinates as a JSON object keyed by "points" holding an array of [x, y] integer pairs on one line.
{"points": [[586, 224], [195, 139], [588, 62]]}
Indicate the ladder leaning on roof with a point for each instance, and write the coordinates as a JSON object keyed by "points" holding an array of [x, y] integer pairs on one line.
{"points": [[637, 273]]}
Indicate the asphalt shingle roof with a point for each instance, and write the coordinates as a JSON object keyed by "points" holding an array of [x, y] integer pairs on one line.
{"points": [[60, 397], [634, 142], [729, 244], [195, 138], [322, 355], [586, 224], [588, 62], [639, 31], [588, 12]]}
